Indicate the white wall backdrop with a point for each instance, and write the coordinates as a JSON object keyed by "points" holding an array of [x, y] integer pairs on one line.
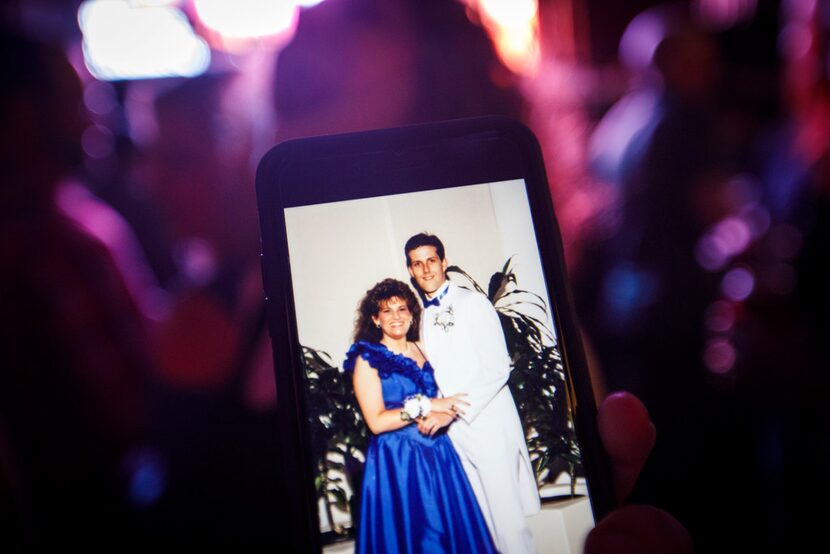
{"points": [[339, 250]]}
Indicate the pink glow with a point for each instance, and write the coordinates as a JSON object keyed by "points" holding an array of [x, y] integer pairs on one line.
{"points": [[719, 355]]}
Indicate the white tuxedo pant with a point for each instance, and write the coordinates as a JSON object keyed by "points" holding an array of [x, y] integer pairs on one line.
{"points": [[494, 483]]}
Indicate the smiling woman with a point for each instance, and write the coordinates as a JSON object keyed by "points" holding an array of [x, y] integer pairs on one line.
{"points": [[381, 304], [394, 318], [415, 495]]}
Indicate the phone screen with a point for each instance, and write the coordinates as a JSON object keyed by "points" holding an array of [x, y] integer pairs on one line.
{"points": [[339, 250]]}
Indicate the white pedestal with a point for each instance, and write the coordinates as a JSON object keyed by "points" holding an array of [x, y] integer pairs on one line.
{"points": [[561, 527]]}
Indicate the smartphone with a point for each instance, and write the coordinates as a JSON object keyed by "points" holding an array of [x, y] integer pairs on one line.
{"points": [[336, 213]]}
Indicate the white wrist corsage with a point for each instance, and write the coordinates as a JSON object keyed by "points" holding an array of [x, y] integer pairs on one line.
{"points": [[415, 406]]}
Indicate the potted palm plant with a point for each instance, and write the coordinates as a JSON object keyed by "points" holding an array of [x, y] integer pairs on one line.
{"points": [[338, 435]]}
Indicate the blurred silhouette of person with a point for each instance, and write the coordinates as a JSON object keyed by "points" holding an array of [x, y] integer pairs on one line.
{"points": [[214, 381], [643, 297], [189, 183], [364, 64], [642, 294], [72, 405]]}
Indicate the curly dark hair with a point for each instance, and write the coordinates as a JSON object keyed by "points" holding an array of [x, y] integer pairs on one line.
{"points": [[372, 302]]}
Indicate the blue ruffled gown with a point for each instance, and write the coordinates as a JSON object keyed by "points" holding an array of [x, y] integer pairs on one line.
{"points": [[416, 497]]}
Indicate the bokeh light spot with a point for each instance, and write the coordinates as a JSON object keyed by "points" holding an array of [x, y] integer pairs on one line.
{"points": [[99, 97], [243, 19], [794, 41], [711, 252], [98, 142], [122, 41], [719, 355], [738, 284], [147, 476]]}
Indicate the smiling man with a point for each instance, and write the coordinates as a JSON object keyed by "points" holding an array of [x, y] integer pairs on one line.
{"points": [[465, 344]]}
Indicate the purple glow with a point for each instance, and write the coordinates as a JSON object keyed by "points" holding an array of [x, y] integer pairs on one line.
{"points": [[794, 41], [734, 234], [98, 142], [197, 259], [719, 355], [99, 97], [640, 39], [711, 252], [737, 284], [799, 10], [758, 219]]}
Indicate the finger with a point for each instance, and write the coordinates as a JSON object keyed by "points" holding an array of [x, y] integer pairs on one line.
{"points": [[628, 436], [639, 528]]}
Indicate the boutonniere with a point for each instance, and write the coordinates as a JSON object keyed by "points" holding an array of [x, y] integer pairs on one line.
{"points": [[444, 319]]}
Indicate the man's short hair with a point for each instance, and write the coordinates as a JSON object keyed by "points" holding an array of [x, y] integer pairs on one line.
{"points": [[423, 239]]}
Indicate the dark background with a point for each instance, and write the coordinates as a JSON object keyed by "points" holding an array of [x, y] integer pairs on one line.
{"points": [[688, 167]]}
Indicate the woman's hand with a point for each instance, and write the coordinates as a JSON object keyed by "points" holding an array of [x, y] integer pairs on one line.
{"points": [[434, 422], [450, 405]]}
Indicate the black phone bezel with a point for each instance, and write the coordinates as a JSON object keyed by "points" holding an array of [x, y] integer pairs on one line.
{"points": [[392, 161]]}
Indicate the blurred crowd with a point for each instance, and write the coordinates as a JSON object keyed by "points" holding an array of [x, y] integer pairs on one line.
{"points": [[687, 145]]}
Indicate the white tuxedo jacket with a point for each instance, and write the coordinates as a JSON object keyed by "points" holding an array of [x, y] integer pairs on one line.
{"points": [[465, 344]]}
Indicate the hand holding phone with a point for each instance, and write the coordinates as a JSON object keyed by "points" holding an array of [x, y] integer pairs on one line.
{"points": [[628, 436]]}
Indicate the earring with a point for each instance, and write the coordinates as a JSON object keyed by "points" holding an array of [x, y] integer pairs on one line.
{"points": [[377, 325]]}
